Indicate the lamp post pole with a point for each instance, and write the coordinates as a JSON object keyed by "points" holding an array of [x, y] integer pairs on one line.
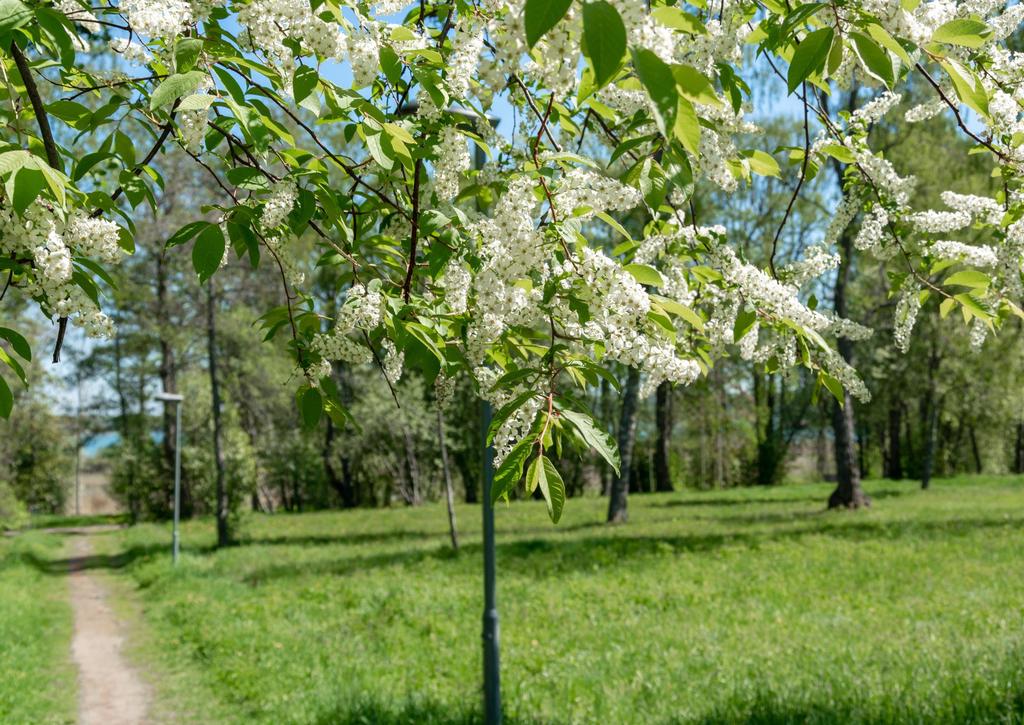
{"points": [[177, 400]]}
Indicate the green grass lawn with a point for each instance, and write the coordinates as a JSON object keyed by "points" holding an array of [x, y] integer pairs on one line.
{"points": [[742, 606], [37, 680]]}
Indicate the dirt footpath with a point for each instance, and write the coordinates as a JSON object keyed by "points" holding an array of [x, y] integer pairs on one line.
{"points": [[110, 690]]}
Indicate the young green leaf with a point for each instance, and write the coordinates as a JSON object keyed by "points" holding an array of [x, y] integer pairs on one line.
{"points": [[540, 16], [809, 57], [511, 469], [875, 58], [657, 78], [186, 53], [965, 32], [208, 251], [6, 399], [312, 407], [13, 14], [18, 343], [174, 87], [551, 487], [594, 437], [605, 39]]}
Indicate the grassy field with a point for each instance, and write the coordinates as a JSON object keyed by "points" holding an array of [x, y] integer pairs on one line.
{"points": [[37, 681], [750, 605], [742, 606]]}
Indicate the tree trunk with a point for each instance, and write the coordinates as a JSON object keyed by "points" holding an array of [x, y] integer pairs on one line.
{"points": [[449, 492], [220, 490], [894, 469], [848, 492], [662, 450], [340, 481], [617, 501], [975, 451]]}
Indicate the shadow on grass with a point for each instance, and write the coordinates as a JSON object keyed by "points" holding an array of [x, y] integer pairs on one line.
{"points": [[1006, 706], [785, 497], [557, 555], [371, 537]]}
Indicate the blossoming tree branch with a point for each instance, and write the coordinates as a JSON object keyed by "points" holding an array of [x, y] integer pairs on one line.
{"points": [[348, 125]]}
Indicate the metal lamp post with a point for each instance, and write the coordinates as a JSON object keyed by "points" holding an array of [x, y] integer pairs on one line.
{"points": [[177, 401]]}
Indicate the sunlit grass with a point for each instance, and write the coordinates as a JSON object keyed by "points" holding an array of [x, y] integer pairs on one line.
{"points": [[744, 606], [37, 680]]}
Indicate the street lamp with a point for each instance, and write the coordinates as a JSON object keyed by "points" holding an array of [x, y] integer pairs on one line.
{"points": [[176, 399]]}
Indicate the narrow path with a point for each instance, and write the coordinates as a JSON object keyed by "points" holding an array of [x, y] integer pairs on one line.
{"points": [[110, 691]]}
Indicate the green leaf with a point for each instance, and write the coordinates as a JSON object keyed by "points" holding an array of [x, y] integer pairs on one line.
{"points": [[208, 251], [511, 469], [597, 439], [312, 407], [657, 78], [695, 86], [808, 57], [687, 126], [762, 163], [13, 14], [174, 87], [27, 184], [6, 399], [541, 16], [605, 39], [645, 274], [875, 58], [677, 19], [680, 310], [196, 102], [834, 386], [185, 233], [744, 321], [969, 278], [186, 53], [18, 343], [544, 475], [304, 82], [966, 32]]}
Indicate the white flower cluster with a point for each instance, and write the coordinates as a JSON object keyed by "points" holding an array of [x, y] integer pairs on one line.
{"points": [[452, 162], [393, 361], [462, 64], [815, 262], [364, 57], [42, 239], [908, 304], [584, 192], [362, 311], [279, 205], [976, 256], [158, 18], [268, 23], [132, 51], [276, 235], [192, 125]]}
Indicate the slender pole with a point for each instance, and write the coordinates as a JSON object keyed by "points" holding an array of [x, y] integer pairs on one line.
{"points": [[492, 676], [78, 444], [177, 478]]}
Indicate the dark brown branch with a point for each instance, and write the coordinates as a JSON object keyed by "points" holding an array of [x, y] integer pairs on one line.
{"points": [[796, 191], [52, 154], [43, 120]]}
